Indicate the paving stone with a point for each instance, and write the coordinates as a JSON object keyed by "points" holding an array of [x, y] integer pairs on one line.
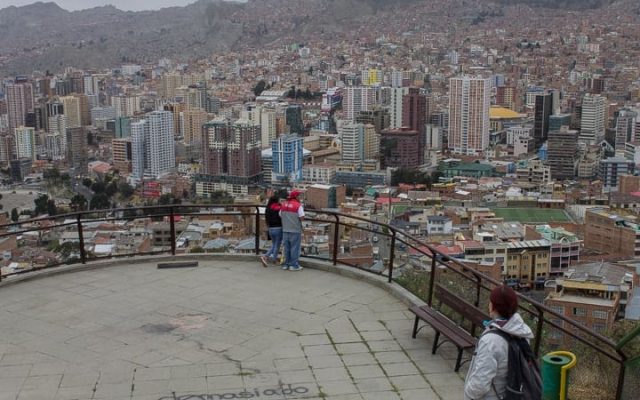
{"points": [[366, 371], [348, 337], [325, 361], [351, 348], [307, 340], [420, 394], [387, 395], [358, 359], [405, 382], [399, 369], [373, 385], [334, 388], [323, 375], [384, 345], [320, 350]]}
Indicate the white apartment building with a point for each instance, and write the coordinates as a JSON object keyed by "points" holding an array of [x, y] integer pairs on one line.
{"points": [[469, 102]]}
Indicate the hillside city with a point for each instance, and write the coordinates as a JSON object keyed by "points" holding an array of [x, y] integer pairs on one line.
{"points": [[511, 146]]}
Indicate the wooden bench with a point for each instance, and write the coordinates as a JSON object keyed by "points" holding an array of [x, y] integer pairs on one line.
{"points": [[442, 325]]}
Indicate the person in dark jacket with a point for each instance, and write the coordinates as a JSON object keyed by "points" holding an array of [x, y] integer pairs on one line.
{"points": [[274, 223]]}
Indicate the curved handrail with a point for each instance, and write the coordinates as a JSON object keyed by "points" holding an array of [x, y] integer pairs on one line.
{"points": [[540, 311]]}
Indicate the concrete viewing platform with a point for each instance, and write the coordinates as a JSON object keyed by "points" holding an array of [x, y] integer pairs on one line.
{"points": [[228, 329]]}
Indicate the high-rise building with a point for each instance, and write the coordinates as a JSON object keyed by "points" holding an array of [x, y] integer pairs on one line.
{"points": [[398, 148], [378, 117], [593, 118], [71, 106], [287, 159], [414, 117], [7, 149], [122, 152], [293, 118], [268, 126], [543, 109], [102, 114], [126, 106], [626, 123], [352, 138], [507, 96], [232, 152], [177, 109], [557, 121], [152, 145], [123, 127], [19, 102], [25, 141], [356, 99], [469, 102], [611, 169], [77, 150], [562, 153], [192, 122], [56, 139], [395, 106]]}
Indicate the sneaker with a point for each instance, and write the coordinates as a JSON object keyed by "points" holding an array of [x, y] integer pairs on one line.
{"points": [[298, 268], [263, 260], [285, 267]]}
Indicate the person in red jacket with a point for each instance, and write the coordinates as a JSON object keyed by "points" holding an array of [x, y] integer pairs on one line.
{"points": [[292, 214]]}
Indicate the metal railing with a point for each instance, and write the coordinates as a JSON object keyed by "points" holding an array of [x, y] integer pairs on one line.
{"points": [[437, 265]]}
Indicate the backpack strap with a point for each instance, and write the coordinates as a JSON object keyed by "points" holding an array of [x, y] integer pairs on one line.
{"points": [[506, 337]]}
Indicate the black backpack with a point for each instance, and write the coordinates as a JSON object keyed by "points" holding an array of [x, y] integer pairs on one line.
{"points": [[524, 381]]}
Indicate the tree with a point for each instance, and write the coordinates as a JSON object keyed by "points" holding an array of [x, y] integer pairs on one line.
{"points": [[100, 202], [259, 88], [111, 188], [98, 187], [197, 249], [41, 203], [51, 207], [78, 203], [125, 190], [87, 182], [14, 215]]}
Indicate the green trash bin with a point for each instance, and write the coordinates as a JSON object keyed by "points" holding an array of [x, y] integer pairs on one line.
{"points": [[555, 370]]}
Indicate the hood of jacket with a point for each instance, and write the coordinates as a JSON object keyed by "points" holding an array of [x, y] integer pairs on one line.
{"points": [[514, 326]]}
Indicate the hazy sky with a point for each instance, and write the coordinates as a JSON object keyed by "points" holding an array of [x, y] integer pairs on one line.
{"points": [[134, 5]]}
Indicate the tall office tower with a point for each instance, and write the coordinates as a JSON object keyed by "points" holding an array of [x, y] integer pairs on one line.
{"points": [[562, 153], [25, 140], [44, 87], [122, 151], [625, 128], [213, 104], [232, 152], [77, 150], [85, 109], [71, 105], [557, 121], [58, 137], [123, 127], [176, 109], [356, 99], [268, 126], [92, 84], [395, 106], [126, 106], [169, 83], [293, 117], [7, 149], [414, 117], [507, 96], [194, 98], [542, 111], [398, 148], [377, 117], [287, 159], [152, 145], [469, 101], [396, 79], [352, 138], [101, 114], [19, 102], [593, 119], [192, 122], [371, 143]]}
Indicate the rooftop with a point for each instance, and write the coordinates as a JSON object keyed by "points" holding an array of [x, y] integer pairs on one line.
{"points": [[133, 331]]}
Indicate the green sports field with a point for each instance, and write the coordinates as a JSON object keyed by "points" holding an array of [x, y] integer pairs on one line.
{"points": [[532, 215]]}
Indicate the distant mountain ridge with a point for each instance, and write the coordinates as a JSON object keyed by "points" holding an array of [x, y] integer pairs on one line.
{"points": [[43, 36]]}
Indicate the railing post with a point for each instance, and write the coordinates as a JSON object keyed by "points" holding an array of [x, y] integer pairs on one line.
{"points": [[432, 278], [392, 254], [83, 255], [538, 339], [620, 388], [257, 231], [172, 225], [478, 288], [336, 240]]}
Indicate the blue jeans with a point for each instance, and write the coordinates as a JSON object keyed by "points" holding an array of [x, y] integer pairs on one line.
{"points": [[276, 242], [292, 248]]}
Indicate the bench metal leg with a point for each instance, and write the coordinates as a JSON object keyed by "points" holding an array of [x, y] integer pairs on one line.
{"points": [[458, 360], [435, 343], [415, 328]]}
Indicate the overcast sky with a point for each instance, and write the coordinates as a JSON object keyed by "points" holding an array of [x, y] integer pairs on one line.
{"points": [[134, 5]]}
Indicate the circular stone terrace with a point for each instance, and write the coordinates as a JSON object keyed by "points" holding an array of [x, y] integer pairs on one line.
{"points": [[226, 329]]}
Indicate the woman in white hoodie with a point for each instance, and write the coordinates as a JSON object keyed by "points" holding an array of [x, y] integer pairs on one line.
{"points": [[487, 376]]}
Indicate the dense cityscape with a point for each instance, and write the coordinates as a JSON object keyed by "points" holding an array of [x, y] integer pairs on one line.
{"points": [[506, 143]]}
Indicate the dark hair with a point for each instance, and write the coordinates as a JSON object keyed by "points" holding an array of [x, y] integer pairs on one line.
{"points": [[273, 199], [504, 301]]}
